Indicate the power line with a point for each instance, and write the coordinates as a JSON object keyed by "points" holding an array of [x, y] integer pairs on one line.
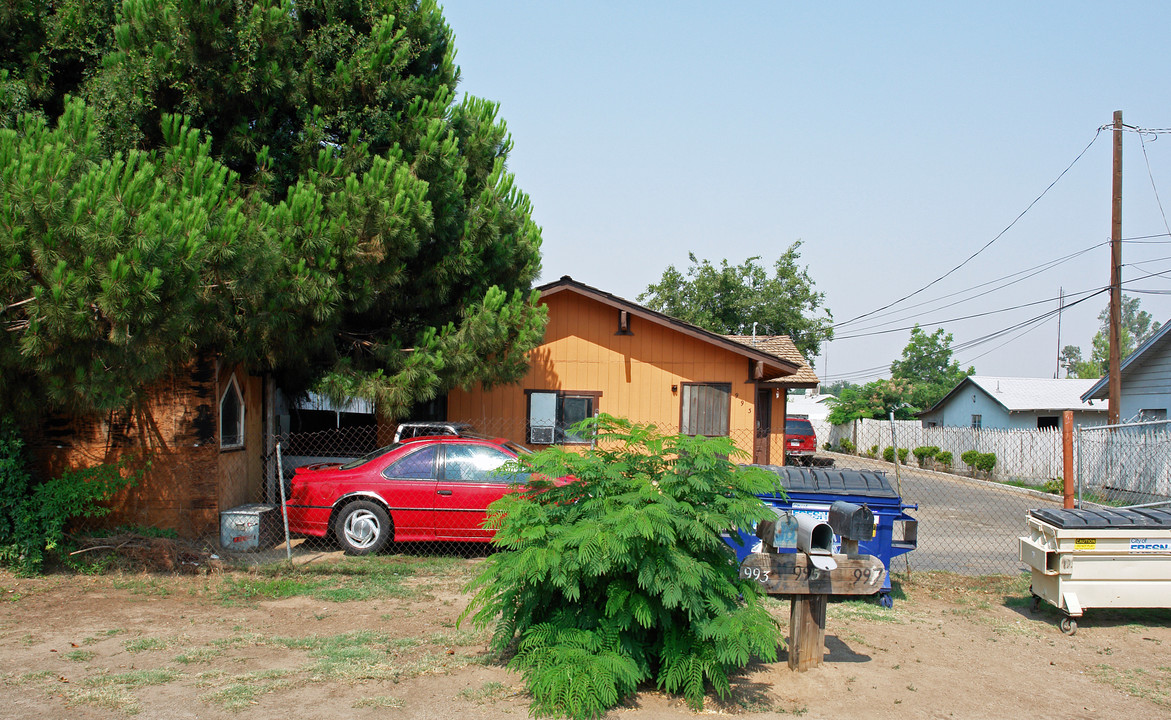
{"points": [[1037, 268], [987, 244], [1024, 326], [973, 315], [1138, 239], [1151, 175]]}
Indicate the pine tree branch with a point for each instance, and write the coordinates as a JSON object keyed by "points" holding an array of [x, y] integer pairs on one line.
{"points": [[18, 304]]}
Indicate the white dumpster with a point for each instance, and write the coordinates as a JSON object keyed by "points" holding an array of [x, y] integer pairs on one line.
{"points": [[1098, 558]]}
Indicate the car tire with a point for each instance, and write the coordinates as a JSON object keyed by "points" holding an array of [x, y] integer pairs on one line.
{"points": [[362, 528]]}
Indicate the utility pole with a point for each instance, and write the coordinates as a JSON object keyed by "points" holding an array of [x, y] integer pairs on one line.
{"points": [[1060, 307], [1115, 382]]}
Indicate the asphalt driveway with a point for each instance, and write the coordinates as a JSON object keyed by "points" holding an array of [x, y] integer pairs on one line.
{"points": [[966, 526]]}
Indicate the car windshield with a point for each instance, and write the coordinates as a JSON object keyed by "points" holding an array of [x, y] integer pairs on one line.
{"points": [[370, 456], [798, 427]]}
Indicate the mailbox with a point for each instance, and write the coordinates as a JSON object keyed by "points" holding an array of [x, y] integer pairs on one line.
{"points": [[816, 539], [779, 533], [851, 521]]}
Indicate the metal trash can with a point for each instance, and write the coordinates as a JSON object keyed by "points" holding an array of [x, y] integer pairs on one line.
{"points": [[249, 527], [811, 491], [1083, 559]]}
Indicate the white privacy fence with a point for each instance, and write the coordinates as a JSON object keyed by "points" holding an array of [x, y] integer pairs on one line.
{"points": [[1127, 464], [1021, 454]]}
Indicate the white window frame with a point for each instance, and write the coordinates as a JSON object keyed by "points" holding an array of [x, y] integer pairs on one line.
{"points": [[234, 388]]}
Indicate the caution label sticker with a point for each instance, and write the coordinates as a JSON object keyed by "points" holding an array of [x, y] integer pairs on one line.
{"points": [[1085, 543]]}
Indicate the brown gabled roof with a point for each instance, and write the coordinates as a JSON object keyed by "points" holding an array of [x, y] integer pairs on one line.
{"points": [[775, 367], [782, 347]]}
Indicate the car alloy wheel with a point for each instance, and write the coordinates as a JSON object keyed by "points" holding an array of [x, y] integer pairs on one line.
{"points": [[362, 528]]}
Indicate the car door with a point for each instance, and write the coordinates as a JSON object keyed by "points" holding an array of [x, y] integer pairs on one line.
{"points": [[470, 481], [408, 487]]}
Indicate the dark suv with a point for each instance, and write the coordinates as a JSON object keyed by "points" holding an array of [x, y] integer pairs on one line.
{"points": [[800, 441]]}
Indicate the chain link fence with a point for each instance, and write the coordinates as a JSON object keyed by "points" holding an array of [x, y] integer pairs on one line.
{"points": [[1124, 465], [969, 518], [970, 513]]}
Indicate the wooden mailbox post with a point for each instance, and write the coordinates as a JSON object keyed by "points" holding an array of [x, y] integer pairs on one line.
{"points": [[812, 574]]}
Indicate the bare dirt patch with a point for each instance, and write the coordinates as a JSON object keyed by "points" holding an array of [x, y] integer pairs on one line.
{"points": [[378, 638]]}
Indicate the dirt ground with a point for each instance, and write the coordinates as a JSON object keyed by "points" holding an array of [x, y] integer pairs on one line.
{"points": [[254, 644]]}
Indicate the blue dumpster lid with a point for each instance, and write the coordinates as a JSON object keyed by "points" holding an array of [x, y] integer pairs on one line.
{"points": [[1145, 518], [829, 481]]}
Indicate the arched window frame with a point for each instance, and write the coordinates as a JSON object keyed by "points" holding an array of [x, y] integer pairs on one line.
{"points": [[229, 440]]}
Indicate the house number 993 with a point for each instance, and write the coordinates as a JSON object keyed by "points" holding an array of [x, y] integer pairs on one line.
{"points": [[753, 573]]}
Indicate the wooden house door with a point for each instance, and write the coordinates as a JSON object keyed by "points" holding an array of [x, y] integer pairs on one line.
{"points": [[764, 426]]}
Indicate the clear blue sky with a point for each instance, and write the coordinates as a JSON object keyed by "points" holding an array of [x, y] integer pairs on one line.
{"points": [[892, 139]]}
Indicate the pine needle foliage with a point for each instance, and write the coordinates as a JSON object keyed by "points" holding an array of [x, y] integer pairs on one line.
{"points": [[291, 184], [621, 576]]}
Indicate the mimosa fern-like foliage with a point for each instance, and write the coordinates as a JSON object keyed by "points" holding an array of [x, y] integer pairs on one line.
{"points": [[621, 576]]}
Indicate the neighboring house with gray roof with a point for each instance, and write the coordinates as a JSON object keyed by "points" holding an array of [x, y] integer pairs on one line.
{"points": [[1146, 380], [1014, 403]]}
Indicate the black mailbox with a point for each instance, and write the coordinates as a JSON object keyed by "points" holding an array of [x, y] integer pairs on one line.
{"points": [[851, 521]]}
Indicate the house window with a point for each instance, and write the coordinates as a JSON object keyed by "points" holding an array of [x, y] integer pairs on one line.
{"points": [[1152, 414], [976, 421], [552, 414], [1048, 422], [232, 416], [706, 409]]}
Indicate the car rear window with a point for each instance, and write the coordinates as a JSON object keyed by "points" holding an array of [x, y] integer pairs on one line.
{"points": [[798, 427], [370, 456]]}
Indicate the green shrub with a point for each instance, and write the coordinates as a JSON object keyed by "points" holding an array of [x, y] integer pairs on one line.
{"points": [[1055, 486], [846, 446], [903, 452], [872, 452], [827, 445], [985, 462], [622, 576], [924, 452], [969, 457], [888, 454], [33, 516], [943, 457]]}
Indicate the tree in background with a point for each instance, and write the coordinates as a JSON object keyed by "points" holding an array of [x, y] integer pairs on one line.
{"points": [[920, 379], [728, 299], [928, 366], [1137, 325], [291, 185], [837, 387]]}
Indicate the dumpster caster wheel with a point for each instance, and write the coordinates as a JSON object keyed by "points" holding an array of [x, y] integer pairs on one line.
{"points": [[886, 600], [1035, 605], [1068, 625]]}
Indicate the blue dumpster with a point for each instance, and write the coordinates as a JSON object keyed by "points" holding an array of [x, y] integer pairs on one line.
{"points": [[812, 490]]}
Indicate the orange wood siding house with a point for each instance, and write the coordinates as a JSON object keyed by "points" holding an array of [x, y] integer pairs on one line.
{"points": [[605, 354], [204, 431]]}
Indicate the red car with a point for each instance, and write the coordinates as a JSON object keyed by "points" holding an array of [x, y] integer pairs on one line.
{"points": [[420, 489], [800, 441]]}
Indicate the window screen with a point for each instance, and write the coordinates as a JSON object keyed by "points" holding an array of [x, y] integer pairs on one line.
{"points": [[551, 414], [706, 409]]}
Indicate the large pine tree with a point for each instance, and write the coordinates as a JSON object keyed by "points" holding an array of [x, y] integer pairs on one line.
{"points": [[291, 184]]}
